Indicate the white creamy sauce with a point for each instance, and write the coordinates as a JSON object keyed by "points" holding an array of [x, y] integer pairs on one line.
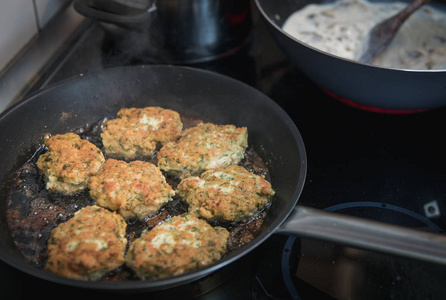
{"points": [[341, 28]]}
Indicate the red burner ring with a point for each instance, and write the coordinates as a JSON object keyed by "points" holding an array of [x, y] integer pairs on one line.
{"points": [[371, 108]]}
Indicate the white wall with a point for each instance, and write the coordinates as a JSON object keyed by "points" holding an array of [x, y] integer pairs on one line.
{"points": [[20, 21]]}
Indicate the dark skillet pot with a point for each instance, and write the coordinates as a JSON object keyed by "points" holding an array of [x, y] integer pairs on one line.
{"points": [[362, 84], [199, 95]]}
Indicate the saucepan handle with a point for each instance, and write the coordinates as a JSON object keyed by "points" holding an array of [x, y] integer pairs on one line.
{"points": [[356, 232], [114, 12]]}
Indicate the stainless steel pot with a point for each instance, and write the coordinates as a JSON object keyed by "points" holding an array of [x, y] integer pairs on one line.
{"points": [[172, 31]]}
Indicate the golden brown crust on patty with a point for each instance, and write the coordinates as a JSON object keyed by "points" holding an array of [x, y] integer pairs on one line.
{"points": [[87, 246], [69, 163], [182, 243], [203, 147], [135, 189], [231, 194], [136, 131]]}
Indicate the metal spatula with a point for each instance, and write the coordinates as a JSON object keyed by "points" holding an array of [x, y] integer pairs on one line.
{"points": [[382, 34]]}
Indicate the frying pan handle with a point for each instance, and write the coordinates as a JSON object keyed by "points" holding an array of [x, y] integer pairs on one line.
{"points": [[365, 234]]}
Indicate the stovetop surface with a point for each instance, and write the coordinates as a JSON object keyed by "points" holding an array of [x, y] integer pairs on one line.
{"points": [[381, 166]]}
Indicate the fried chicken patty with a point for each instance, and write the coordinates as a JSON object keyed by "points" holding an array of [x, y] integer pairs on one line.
{"points": [[69, 163], [136, 131], [134, 189], [180, 244], [203, 147], [231, 194], [87, 246]]}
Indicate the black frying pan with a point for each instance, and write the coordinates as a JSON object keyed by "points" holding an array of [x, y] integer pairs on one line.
{"points": [[211, 97], [393, 89]]}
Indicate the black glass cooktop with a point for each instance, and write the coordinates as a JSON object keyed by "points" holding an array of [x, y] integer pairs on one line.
{"points": [[385, 166]]}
